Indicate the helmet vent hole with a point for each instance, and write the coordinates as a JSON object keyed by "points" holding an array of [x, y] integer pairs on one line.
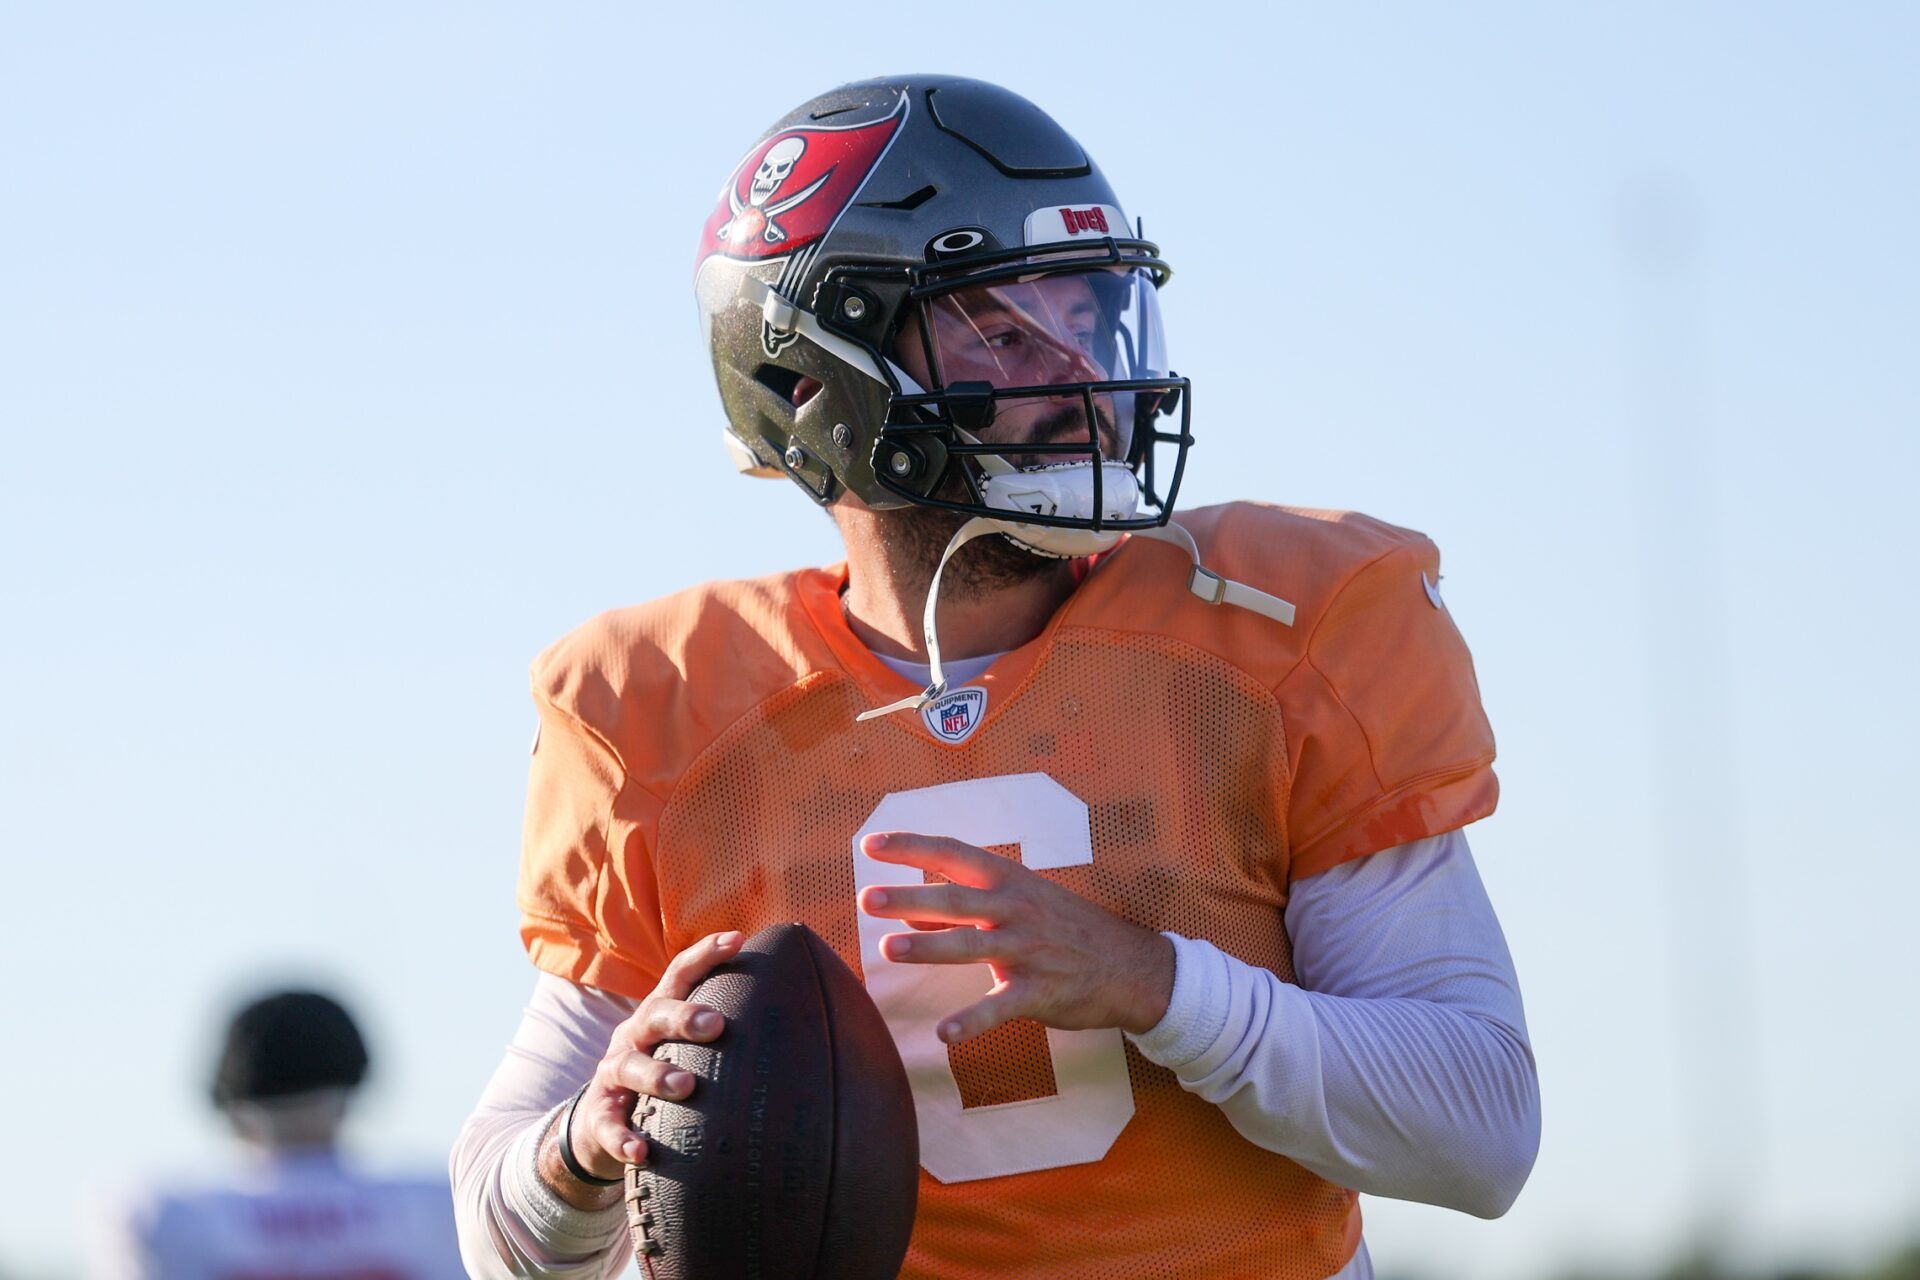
{"points": [[907, 203], [794, 387]]}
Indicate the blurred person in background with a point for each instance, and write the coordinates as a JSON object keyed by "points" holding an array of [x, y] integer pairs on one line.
{"points": [[286, 1077]]}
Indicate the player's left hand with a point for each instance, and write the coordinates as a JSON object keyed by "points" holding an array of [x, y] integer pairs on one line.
{"points": [[1055, 957]]}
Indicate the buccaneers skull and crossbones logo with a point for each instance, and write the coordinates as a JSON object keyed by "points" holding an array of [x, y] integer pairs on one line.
{"points": [[759, 215], [790, 189]]}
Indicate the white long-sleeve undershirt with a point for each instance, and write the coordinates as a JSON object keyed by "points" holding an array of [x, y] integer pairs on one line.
{"points": [[510, 1222], [1398, 1066]]}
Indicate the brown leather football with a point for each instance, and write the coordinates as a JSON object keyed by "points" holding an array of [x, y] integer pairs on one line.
{"points": [[796, 1156]]}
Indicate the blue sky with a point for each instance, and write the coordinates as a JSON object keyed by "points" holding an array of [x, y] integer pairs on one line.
{"points": [[347, 357]]}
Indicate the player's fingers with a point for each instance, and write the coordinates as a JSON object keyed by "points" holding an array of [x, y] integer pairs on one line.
{"points": [[645, 1074], [669, 1019], [603, 1137], [1002, 1004], [955, 859], [943, 946], [922, 903], [685, 970]]}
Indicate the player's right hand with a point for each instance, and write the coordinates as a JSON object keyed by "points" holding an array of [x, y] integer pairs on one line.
{"points": [[604, 1141]]}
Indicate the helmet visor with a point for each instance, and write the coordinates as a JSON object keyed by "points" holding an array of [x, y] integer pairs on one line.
{"points": [[1057, 331]]}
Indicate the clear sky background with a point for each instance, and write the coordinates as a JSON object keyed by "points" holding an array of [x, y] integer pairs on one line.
{"points": [[348, 357]]}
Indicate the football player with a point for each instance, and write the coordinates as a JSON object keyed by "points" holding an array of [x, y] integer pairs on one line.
{"points": [[1142, 825], [287, 1072]]}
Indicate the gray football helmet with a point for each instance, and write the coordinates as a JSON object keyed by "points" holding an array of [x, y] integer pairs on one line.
{"points": [[920, 289]]}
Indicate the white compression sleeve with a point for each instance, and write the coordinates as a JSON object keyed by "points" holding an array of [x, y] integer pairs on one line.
{"points": [[510, 1223], [1399, 1066]]}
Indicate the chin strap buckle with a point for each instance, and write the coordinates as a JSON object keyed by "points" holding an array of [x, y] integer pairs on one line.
{"points": [[1207, 584], [778, 313]]}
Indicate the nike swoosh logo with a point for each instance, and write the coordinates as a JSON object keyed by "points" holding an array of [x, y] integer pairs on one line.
{"points": [[1433, 591]]}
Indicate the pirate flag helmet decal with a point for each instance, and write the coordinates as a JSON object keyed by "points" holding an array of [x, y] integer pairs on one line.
{"points": [[787, 191], [922, 291]]}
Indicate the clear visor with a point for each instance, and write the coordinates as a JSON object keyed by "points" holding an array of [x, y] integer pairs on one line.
{"points": [[1059, 330]]}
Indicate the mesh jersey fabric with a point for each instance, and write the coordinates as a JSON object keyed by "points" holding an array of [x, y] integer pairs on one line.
{"points": [[699, 768]]}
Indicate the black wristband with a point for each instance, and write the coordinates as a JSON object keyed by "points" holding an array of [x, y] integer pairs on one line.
{"points": [[567, 1157]]}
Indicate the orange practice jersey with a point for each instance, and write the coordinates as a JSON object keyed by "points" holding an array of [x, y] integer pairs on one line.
{"points": [[699, 768]]}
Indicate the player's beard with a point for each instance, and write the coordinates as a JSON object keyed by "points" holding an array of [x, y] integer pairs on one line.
{"points": [[916, 537]]}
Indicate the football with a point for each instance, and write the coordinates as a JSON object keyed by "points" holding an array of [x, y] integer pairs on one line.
{"points": [[797, 1154]]}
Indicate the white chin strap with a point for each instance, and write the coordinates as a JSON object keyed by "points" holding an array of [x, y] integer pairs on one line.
{"points": [[974, 528], [1060, 487]]}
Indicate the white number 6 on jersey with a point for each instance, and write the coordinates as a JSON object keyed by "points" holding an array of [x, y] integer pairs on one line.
{"points": [[1075, 1125]]}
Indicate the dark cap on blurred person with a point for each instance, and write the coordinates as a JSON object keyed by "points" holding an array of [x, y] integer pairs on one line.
{"points": [[287, 1044]]}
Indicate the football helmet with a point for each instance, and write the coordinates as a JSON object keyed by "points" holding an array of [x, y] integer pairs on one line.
{"points": [[921, 290]]}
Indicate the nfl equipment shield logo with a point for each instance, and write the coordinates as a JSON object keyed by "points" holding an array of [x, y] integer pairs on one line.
{"points": [[954, 716]]}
